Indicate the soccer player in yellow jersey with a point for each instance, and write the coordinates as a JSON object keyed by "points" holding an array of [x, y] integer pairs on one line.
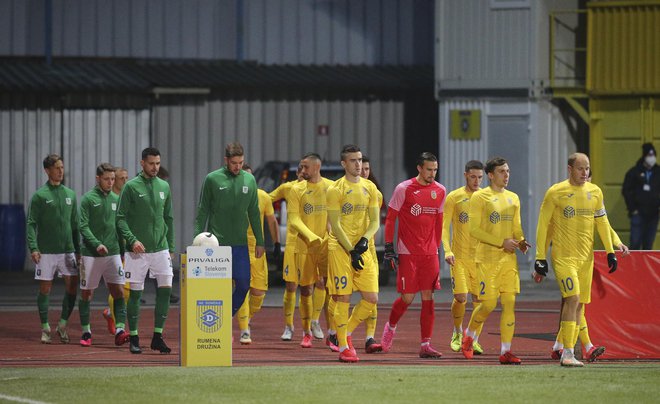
{"points": [[459, 254], [370, 344], [570, 208], [353, 214], [495, 223], [289, 273], [258, 266], [307, 211]]}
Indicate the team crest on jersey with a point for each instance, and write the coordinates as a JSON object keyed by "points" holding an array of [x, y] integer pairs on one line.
{"points": [[308, 208], [364, 191], [463, 217], [114, 206], [162, 195], [209, 315], [245, 189], [569, 212], [68, 201], [433, 195], [347, 208], [415, 210], [510, 201], [494, 218], [589, 195]]}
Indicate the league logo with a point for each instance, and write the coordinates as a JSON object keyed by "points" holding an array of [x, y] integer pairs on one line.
{"points": [[415, 210], [308, 208], [208, 252], [569, 212], [494, 218], [209, 315], [347, 208]]}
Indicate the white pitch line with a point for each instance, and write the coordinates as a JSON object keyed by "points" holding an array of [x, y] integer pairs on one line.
{"points": [[21, 399]]}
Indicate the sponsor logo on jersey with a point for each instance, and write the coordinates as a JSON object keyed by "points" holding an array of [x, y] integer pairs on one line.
{"points": [[494, 217], [68, 201], [308, 208], [49, 201], [222, 188], [347, 208], [209, 315], [415, 210], [463, 217], [569, 212], [349, 191], [142, 195], [96, 205]]}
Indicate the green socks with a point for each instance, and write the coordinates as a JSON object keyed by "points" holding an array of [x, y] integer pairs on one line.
{"points": [[119, 307], [68, 303], [162, 307], [42, 305], [83, 307], [133, 310]]}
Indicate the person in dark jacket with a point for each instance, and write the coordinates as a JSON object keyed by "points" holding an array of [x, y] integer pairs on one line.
{"points": [[641, 190]]}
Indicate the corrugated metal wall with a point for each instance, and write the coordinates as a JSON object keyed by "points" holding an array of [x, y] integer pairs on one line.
{"points": [[624, 48], [89, 138], [549, 146], [480, 47], [192, 138], [273, 31]]}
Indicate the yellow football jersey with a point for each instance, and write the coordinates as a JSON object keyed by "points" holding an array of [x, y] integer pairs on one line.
{"points": [[352, 201], [457, 214], [282, 192], [307, 201], [494, 217], [265, 209], [567, 216]]}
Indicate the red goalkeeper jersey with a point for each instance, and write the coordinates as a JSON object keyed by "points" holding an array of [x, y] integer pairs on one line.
{"points": [[419, 209]]}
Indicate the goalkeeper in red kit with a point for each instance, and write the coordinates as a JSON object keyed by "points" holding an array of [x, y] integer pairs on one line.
{"points": [[418, 204]]}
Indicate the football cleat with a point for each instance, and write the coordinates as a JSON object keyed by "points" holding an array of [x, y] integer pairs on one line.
{"points": [[593, 353], [387, 338], [158, 344], [348, 356], [556, 354], [317, 332], [134, 345], [455, 343], [571, 362], [45, 337], [467, 348], [371, 346], [86, 339], [287, 335], [107, 315], [121, 337], [64, 336], [332, 342], [509, 359], [246, 338], [306, 341], [427, 351], [476, 347]]}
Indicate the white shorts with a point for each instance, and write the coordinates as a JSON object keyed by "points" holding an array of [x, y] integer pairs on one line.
{"points": [[51, 264], [95, 268], [158, 265]]}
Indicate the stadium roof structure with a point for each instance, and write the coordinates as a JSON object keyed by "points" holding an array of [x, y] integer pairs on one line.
{"points": [[218, 78]]}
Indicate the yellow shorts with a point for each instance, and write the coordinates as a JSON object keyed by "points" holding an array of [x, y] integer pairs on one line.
{"points": [[311, 267], [574, 277], [343, 279], [290, 272], [496, 278], [464, 277], [258, 272]]}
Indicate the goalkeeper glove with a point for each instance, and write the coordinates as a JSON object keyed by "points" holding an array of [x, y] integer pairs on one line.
{"points": [[611, 262], [362, 245], [541, 267], [277, 251], [390, 258], [356, 260]]}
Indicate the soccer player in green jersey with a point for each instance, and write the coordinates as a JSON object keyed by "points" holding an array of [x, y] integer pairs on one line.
{"points": [[101, 250], [53, 240], [228, 202], [144, 220]]}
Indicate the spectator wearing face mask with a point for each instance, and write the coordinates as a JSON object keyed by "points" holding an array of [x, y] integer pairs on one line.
{"points": [[641, 190]]}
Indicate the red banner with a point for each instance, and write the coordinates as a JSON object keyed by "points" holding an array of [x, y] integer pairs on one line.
{"points": [[624, 314]]}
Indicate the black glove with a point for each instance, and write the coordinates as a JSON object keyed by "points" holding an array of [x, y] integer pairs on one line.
{"points": [[541, 267], [611, 262], [390, 258], [277, 251], [356, 260], [362, 245]]}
